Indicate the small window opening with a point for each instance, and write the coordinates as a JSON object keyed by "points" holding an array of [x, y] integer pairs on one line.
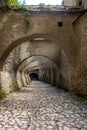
{"points": [[60, 24]]}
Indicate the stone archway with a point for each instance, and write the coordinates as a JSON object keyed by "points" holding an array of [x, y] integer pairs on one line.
{"points": [[43, 62], [33, 37]]}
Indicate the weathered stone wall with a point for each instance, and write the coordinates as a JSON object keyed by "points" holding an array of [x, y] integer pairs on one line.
{"points": [[28, 49], [14, 31], [70, 2], [75, 3], [79, 78], [84, 3], [41, 48], [7, 75], [64, 71]]}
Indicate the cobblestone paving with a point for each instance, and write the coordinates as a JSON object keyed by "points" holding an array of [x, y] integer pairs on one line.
{"points": [[42, 107]]}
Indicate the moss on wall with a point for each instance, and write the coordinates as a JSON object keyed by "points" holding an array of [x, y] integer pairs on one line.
{"points": [[2, 93]]}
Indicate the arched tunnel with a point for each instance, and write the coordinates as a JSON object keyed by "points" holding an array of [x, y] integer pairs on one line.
{"points": [[32, 60], [37, 67], [46, 35], [43, 54]]}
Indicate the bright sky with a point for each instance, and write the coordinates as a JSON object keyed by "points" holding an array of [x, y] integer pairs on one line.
{"points": [[36, 2]]}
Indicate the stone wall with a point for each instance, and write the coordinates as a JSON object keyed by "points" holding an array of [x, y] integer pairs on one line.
{"points": [[7, 75], [70, 2], [80, 75], [64, 71], [42, 24], [84, 3]]}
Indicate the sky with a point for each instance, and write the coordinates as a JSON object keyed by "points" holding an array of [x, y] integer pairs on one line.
{"points": [[36, 2]]}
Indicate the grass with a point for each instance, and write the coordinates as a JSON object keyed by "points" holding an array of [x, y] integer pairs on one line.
{"points": [[81, 100]]}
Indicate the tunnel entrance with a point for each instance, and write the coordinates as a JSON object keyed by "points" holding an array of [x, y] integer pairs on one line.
{"points": [[34, 75]]}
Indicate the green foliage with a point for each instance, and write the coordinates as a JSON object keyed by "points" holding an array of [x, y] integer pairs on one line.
{"points": [[9, 3], [16, 3], [52, 9], [25, 7], [48, 6], [41, 6], [13, 3], [27, 18], [2, 94], [81, 100], [14, 86], [62, 2], [3, 3]]}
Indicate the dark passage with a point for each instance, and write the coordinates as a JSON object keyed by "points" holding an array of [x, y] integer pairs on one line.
{"points": [[34, 76]]}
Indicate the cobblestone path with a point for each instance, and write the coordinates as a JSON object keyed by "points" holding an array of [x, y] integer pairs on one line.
{"points": [[42, 107]]}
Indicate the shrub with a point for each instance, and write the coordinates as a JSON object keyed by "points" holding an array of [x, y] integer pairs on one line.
{"points": [[2, 94]]}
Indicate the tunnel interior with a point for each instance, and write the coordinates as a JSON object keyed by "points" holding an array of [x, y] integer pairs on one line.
{"points": [[34, 75], [43, 65]]}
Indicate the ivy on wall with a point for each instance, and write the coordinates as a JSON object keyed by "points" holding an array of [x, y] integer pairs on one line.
{"points": [[2, 93], [13, 3], [8, 4], [63, 2]]}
